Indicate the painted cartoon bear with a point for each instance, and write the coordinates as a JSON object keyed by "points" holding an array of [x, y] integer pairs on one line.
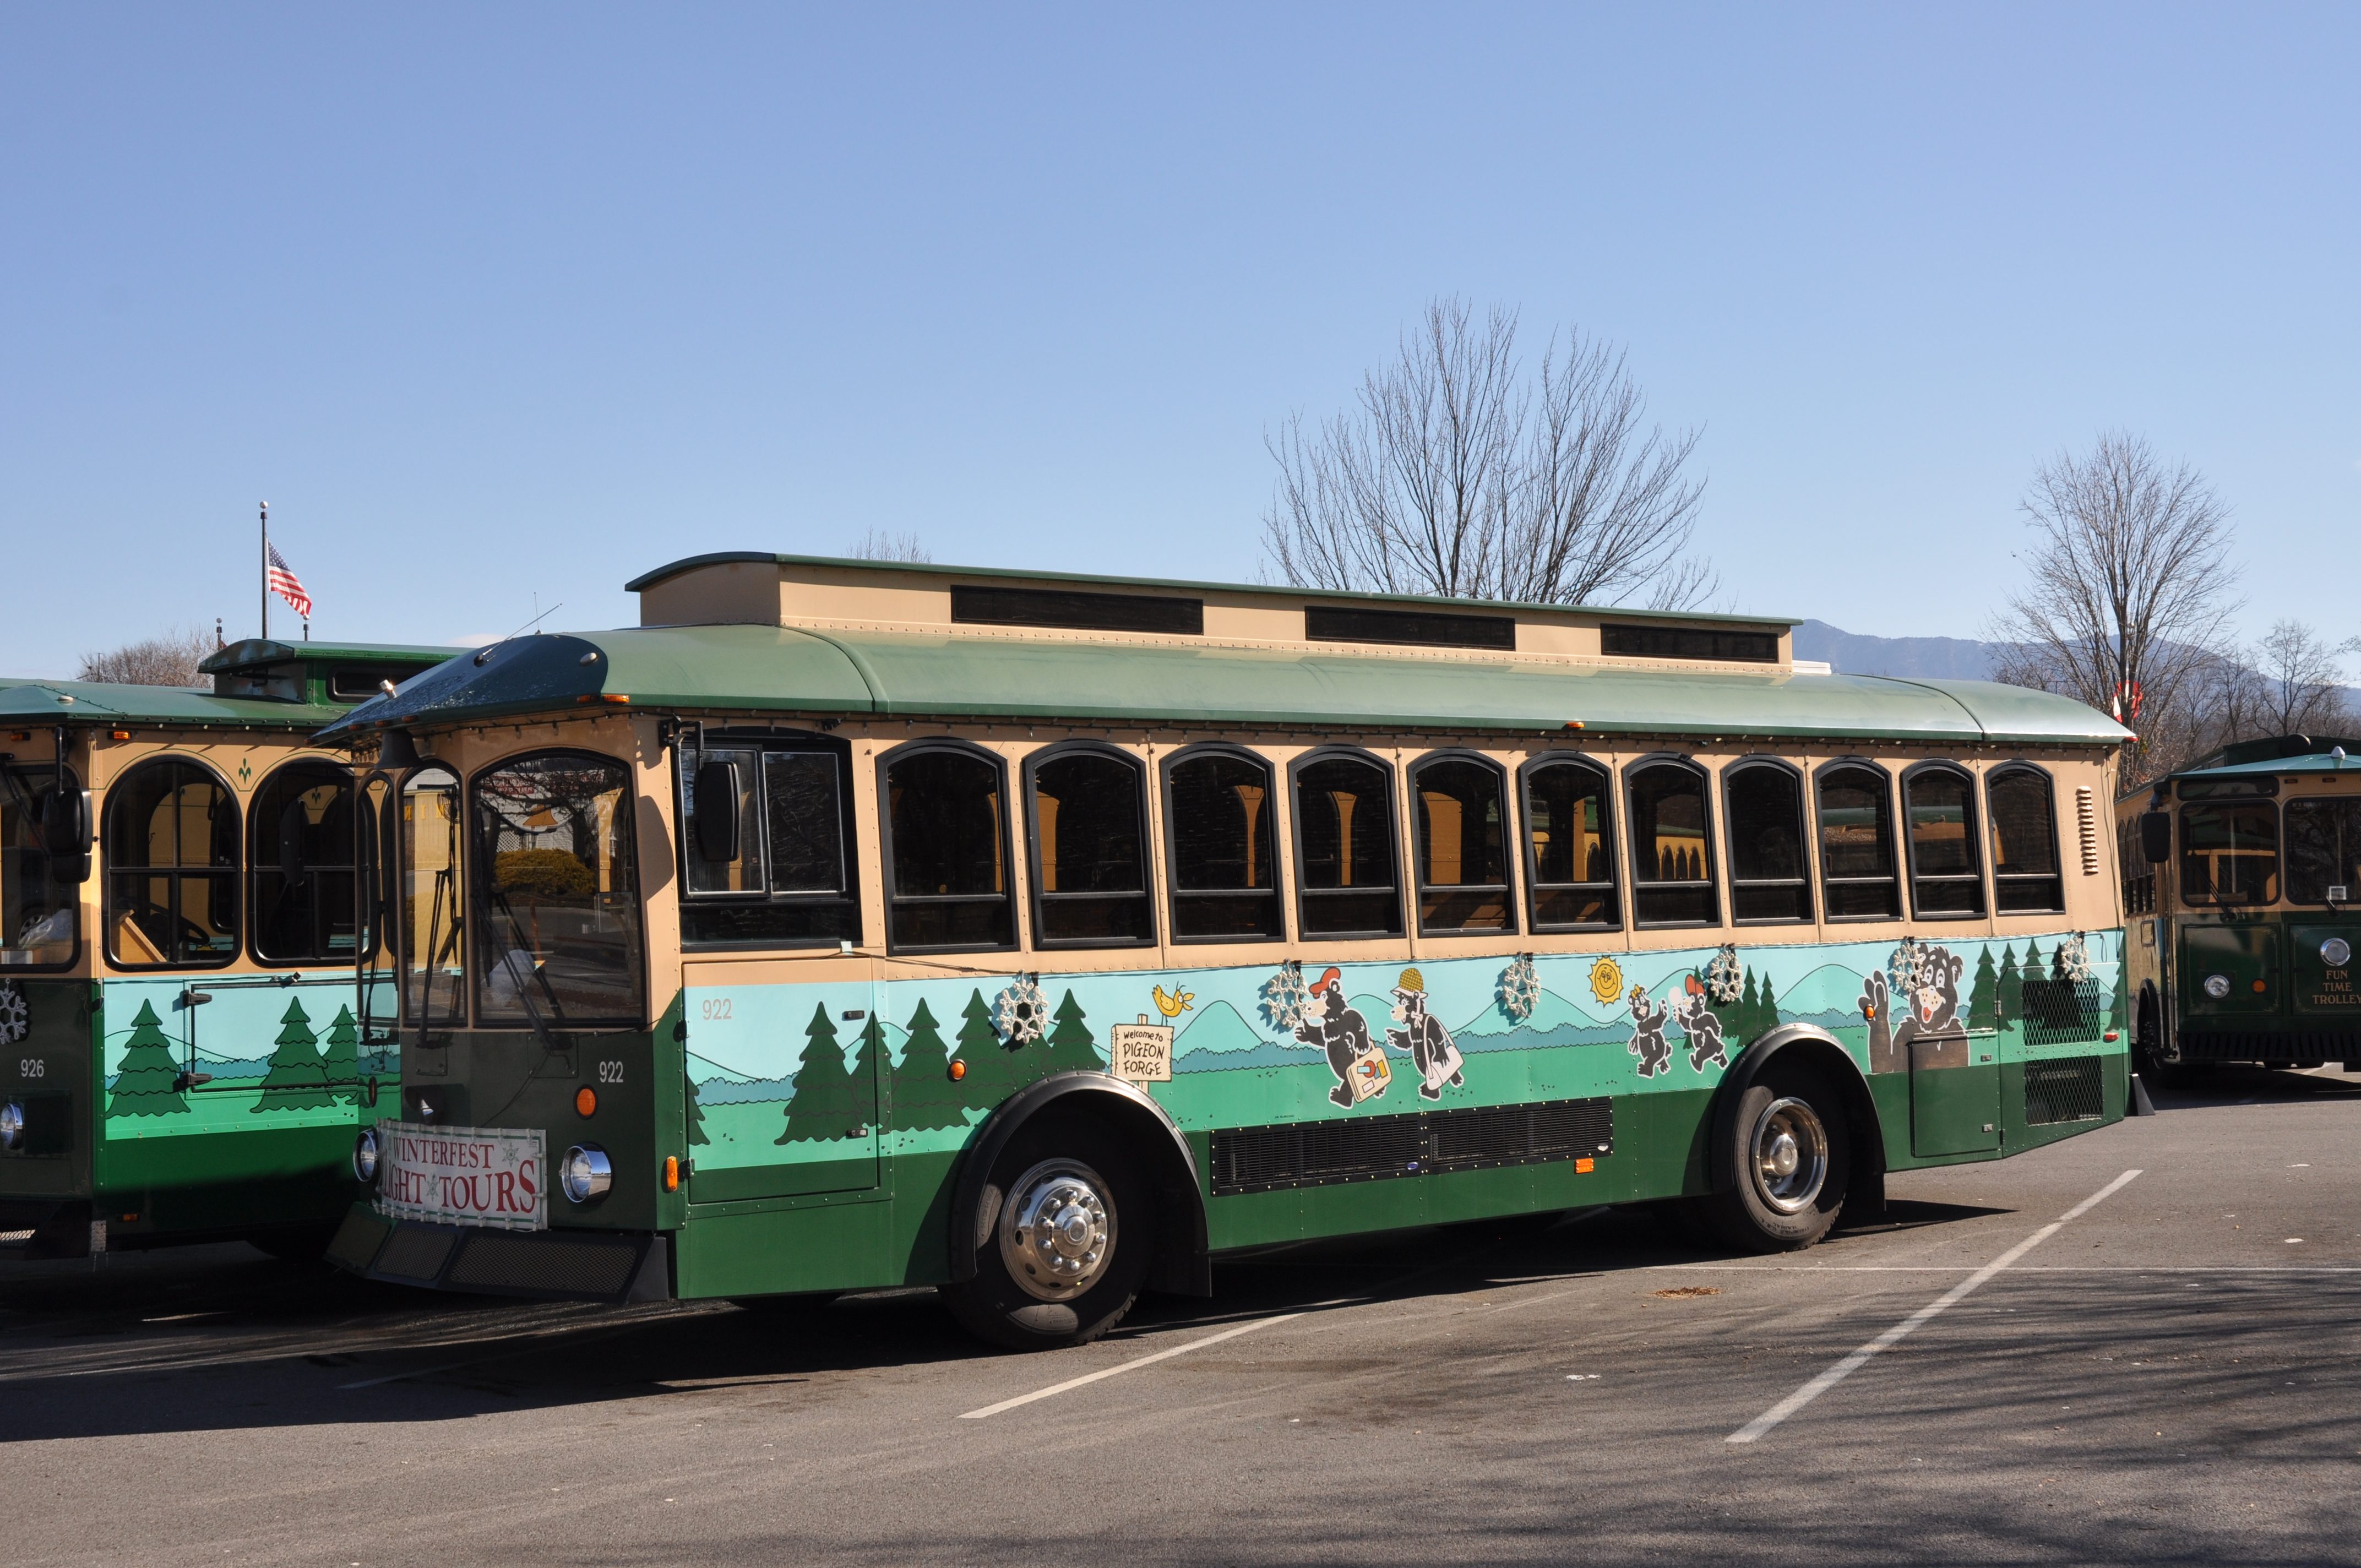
{"points": [[1693, 1013], [1336, 1027], [1648, 1041], [1929, 1009], [1425, 1038]]}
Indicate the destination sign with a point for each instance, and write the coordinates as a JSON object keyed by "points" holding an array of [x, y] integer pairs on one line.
{"points": [[462, 1176]]}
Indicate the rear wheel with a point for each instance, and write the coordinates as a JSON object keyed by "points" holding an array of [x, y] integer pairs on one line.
{"points": [[1790, 1158], [1061, 1240], [2147, 1049]]}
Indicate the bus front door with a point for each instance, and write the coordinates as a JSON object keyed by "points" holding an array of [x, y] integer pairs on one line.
{"points": [[782, 1087]]}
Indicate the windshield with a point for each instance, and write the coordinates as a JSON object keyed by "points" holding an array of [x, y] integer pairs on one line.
{"points": [[558, 918], [37, 911], [2323, 850], [2230, 852], [428, 890]]}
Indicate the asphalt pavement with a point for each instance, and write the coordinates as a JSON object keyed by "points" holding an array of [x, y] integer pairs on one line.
{"points": [[2051, 1359]]}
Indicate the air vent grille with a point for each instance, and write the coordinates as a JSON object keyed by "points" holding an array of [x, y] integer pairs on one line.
{"points": [[1427, 1143]]}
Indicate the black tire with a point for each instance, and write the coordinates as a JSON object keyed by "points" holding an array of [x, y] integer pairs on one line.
{"points": [[307, 1244], [1766, 1210], [2148, 1050], [1070, 1154]]}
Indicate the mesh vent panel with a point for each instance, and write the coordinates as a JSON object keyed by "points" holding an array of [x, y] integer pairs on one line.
{"points": [[1427, 1143], [2067, 1090]]}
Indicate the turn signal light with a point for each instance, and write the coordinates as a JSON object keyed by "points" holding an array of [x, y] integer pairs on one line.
{"points": [[2259, 988], [958, 1069], [672, 1173], [585, 1100], [119, 734]]}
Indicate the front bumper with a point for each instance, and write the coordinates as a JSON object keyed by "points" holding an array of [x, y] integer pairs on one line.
{"points": [[546, 1266]]}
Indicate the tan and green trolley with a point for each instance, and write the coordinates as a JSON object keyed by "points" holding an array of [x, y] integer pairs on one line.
{"points": [[1041, 937], [179, 923]]}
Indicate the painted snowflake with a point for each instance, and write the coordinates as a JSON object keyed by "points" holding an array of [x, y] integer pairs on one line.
{"points": [[1521, 988], [1018, 1010], [15, 1024], [1285, 998], [1722, 980], [2073, 960], [1901, 969]]}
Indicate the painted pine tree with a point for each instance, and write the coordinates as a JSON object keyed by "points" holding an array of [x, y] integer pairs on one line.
{"points": [[342, 1061], [872, 1064], [697, 1134], [1749, 1020], [820, 1106], [990, 1074], [1070, 1046], [145, 1086], [1767, 1005], [297, 1079], [1983, 995], [2008, 996], [924, 1094], [2119, 1003]]}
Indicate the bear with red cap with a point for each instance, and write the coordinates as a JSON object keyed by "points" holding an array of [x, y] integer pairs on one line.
{"points": [[1336, 1027]]}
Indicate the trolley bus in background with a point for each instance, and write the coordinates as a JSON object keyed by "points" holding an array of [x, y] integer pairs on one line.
{"points": [[2240, 876], [1040, 937], [178, 930]]}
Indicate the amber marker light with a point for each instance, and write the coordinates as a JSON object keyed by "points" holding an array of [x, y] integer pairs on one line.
{"points": [[958, 1069], [2260, 987], [672, 1173], [585, 1100], [119, 734]]}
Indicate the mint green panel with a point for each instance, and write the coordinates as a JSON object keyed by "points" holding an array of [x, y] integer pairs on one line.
{"points": [[1954, 1096], [2245, 955], [782, 1086]]}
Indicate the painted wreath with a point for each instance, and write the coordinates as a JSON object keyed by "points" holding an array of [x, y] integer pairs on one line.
{"points": [[1521, 988], [1017, 1012], [14, 1022], [2072, 958], [1722, 980], [1285, 998]]}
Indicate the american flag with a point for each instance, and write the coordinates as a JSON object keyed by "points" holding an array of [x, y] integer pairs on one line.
{"points": [[284, 583]]}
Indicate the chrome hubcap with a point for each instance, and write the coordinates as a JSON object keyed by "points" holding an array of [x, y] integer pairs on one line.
{"points": [[1057, 1231], [1791, 1154]]}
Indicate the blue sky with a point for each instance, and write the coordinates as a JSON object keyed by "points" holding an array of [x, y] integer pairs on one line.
{"points": [[499, 302]]}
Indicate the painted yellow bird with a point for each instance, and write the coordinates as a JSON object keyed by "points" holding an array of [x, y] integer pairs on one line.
{"points": [[1175, 1003]]}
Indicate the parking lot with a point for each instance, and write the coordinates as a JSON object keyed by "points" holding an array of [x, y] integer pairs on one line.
{"points": [[2170, 1374]]}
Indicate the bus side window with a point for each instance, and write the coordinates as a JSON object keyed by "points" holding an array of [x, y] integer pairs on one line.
{"points": [[1856, 812], [1223, 873], [791, 883], [946, 881], [1344, 847], [1570, 846], [172, 867], [1463, 852], [1940, 800], [2024, 842], [1671, 846], [1089, 808], [301, 851], [1763, 804]]}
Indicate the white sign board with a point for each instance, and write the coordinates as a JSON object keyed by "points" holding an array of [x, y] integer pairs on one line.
{"points": [[462, 1176], [1142, 1052]]}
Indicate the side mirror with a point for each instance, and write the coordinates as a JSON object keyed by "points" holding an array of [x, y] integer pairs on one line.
{"points": [[716, 804], [65, 835], [2156, 836]]}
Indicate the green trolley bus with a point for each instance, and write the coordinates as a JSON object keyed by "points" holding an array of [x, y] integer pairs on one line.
{"points": [[1041, 937], [2240, 873], [179, 924]]}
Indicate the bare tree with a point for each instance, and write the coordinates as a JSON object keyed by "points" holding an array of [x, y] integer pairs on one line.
{"points": [[169, 659], [876, 545], [2302, 678], [1461, 477], [2130, 593]]}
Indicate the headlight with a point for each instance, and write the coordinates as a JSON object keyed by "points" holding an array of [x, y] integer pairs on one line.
{"points": [[364, 1158], [12, 1125], [2336, 952], [585, 1173], [2217, 986]]}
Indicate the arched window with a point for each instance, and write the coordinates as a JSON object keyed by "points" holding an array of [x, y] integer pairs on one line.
{"points": [[1762, 803], [301, 850], [2026, 879], [1090, 847], [946, 881], [172, 867], [1345, 846], [1856, 822], [1224, 876], [1570, 844], [1672, 845], [1939, 799], [557, 901], [1462, 812]]}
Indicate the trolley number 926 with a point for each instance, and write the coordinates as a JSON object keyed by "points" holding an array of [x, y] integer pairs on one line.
{"points": [[32, 1067]]}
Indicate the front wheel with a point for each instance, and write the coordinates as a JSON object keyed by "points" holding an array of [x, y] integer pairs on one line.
{"points": [[1790, 1159], [1061, 1240]]}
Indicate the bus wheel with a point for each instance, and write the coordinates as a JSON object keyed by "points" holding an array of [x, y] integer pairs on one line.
{"points": [[1060, 1258], [1790, 1162]]}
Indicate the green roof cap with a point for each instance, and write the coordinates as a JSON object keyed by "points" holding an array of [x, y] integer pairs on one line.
{"points": [[258, 651], [948, 675]]}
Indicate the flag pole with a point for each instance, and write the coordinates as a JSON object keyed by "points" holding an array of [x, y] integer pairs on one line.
{"points": [[266, 571]]}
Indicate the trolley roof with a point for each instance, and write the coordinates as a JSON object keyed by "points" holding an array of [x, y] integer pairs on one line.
{"points": [[255, 683]]}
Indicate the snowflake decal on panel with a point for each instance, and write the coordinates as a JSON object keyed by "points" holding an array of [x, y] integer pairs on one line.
{"points": [[1017, 1012], [2072, 958], [1901, 969], [1723, 981], [1521, 988], [14, 1022], [1285, 997]]}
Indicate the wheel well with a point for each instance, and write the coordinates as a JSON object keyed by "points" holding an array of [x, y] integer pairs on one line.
{"points": [[1802, 1044], [1182, 1264]]}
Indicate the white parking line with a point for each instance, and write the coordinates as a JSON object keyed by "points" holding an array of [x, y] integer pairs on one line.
{"points": [[1893, 1336], [1127, 1366]]}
